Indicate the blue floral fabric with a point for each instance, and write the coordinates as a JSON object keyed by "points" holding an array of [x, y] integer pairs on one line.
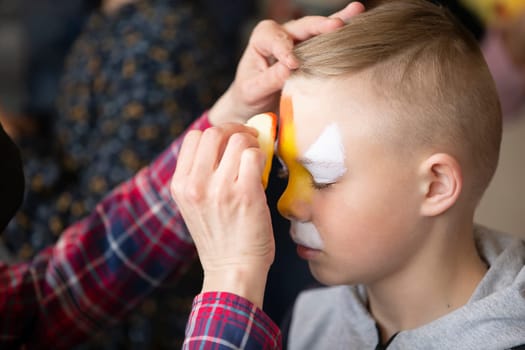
{"points": [[132, 83]]}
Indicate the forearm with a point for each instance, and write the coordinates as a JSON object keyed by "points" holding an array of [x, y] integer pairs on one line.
{"points": [[102, 266], [224, 110]]}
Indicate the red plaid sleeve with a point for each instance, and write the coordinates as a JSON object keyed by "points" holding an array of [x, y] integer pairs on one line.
{"points": [[221, 320], [101, 267]]}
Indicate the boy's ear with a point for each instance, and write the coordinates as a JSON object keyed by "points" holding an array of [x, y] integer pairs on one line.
{"points": [[441, 182]]}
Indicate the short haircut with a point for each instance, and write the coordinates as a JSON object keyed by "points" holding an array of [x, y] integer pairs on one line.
{"points": [[429, 70], [11, 179]]}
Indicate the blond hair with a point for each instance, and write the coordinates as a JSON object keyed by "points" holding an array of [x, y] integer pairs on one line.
{"points": [[428, 70]]}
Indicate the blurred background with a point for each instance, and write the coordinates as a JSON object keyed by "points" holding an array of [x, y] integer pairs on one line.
{"points": [[93, 90]]}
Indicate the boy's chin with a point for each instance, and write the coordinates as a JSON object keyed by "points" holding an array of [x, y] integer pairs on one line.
{"points": [[327, 276]]}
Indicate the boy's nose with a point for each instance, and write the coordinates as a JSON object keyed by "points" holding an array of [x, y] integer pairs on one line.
{"points": [[295, 204]]}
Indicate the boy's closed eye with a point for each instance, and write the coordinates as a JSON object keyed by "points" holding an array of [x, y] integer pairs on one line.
{"points": [[321, 186]]}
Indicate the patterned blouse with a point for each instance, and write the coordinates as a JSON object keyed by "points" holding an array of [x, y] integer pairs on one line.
{"points": [[132, 83]]}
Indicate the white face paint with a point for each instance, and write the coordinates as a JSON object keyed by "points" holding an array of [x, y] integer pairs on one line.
{"points": [[325, 161], [325, 158], [305, 233]]}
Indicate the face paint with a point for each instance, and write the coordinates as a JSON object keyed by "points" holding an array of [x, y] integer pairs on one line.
{"points": [[325, 159], [299, 188], [305, 234], [298, 192]]}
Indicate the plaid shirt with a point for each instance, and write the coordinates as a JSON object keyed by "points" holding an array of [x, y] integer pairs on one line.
{"points": [[227, 321], [101, 267]]}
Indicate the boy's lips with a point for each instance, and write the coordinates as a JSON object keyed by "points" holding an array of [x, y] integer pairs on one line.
{"points": [[307, 253]]}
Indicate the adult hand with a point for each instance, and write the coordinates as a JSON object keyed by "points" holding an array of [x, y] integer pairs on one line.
{"points": [[217, 187], [268, 61]]}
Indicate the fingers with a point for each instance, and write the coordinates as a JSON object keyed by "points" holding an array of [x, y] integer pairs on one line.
{"points": [[270, 39], [201, 152], [209, 152], [352, 9], [307, 27], [268, 61], [269, 81], [250, 168], [228, 169], [187, 149], [310, 26]]}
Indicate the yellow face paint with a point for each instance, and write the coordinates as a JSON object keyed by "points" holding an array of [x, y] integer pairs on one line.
{"points": [[299, 189]]}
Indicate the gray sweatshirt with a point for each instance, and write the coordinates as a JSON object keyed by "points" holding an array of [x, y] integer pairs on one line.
{"points": [[494, 318]]}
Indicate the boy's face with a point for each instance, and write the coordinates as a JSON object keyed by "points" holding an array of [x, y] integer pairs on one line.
{"points": [[353, 203]]}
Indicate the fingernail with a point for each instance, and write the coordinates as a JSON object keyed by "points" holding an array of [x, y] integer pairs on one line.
{"points": [[291, 61]]}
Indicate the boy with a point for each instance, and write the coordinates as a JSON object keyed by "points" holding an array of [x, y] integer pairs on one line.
{"points": [[390, 132], [105, 264]]}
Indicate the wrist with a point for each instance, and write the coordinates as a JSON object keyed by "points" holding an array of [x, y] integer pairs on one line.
{"points": [[224, 110], [247, 283]]}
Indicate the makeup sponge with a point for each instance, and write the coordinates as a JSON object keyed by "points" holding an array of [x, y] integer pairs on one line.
{"points": [[266, 125]]}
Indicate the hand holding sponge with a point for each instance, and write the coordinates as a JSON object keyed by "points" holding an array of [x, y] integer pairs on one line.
{"points": [[266, 125]]}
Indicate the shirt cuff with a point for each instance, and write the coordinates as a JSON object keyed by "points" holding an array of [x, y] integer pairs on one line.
{"points": [[222, 316]]}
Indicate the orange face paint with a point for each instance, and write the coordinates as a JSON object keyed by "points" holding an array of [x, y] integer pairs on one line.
{"points": [[299, 190]]}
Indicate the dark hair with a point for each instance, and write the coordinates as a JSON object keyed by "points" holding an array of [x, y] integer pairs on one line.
{"points": [[11, 179]]}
